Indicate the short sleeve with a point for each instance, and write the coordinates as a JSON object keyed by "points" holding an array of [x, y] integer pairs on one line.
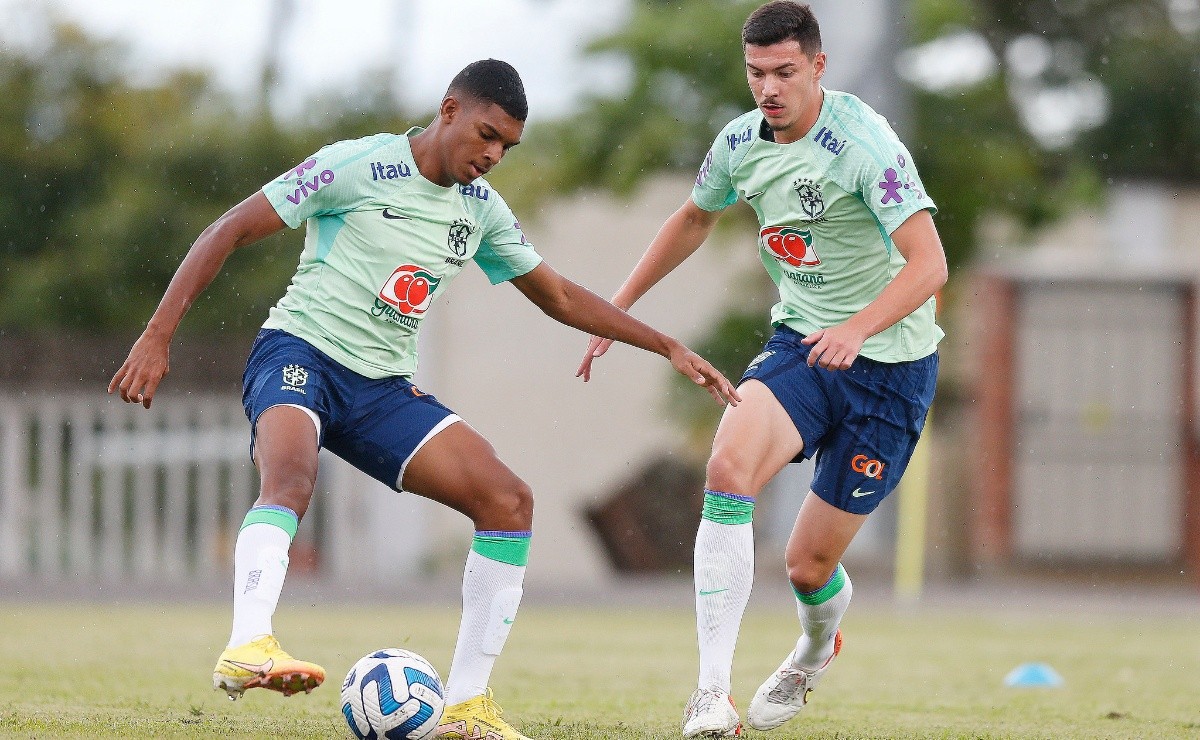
{"points": [[889, 184], [714, 185], [504, 252], [320, 185]]}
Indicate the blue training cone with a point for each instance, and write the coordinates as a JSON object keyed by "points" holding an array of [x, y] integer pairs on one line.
{"points": [[1033, 675]]}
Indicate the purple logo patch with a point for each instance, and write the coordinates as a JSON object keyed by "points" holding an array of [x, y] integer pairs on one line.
{"points": [[704, 168], [891, 188], [308, 187]]}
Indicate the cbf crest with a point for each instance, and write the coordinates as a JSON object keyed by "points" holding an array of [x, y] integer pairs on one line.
{"points": [[295, 375], [809, 193], [459, 235]]}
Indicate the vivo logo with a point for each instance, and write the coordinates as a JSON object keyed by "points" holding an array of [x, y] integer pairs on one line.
{"points": [[309, 186]]}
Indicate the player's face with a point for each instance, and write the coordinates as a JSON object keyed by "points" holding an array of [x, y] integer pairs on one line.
{"points": [[480, 134], [786, 84]]}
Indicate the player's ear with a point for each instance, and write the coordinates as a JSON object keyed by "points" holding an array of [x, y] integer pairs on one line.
{"points": [[449, 109], [818, 65]]}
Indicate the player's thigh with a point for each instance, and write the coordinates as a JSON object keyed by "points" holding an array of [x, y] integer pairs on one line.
{"points": [[459, 468], [819, 539], [285, 453], [287, 391], [754, 440]]}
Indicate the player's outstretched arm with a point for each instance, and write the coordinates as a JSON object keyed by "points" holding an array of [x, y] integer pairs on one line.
{"points": [[574, 305], [147, 363], [836, 347], [679, 238]]}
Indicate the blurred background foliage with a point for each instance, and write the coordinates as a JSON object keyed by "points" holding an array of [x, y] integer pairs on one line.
{"points": [[107, 182]]}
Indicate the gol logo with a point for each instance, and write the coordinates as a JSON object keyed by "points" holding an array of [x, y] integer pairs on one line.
{"points": [[867, 466], [410, 289], [789, 244]]}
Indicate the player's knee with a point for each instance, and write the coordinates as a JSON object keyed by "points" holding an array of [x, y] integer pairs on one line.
{"points": [[293, 490], [810, 573], [507, 505], [727, 474]]}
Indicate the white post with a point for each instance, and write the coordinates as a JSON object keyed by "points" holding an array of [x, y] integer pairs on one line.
{"points": [[14, 450], [49, 513]]}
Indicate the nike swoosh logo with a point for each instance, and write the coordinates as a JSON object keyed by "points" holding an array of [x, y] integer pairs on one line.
{"points": [[752, 196], [396, 216], [858, 492], [714, 591], [508, 621], [261, 669]]}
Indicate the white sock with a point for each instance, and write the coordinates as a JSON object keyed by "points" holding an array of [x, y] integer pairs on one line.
{"points": [[260, 562], [491, 594], [820, 614], [724, 573]]}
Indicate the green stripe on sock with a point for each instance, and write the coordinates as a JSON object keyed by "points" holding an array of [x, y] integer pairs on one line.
{"points": [[826, 592], [725, 510], [274, 517], [511, 550]]}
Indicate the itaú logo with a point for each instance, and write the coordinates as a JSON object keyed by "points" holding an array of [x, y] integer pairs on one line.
{"points": [[867, 466]]}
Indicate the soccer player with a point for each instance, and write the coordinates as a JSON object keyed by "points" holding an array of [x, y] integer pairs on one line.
{"points": [[391, 220], [847, 235]]}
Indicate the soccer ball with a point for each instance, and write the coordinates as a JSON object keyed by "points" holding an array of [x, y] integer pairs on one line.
{"points": [[394, 694]]}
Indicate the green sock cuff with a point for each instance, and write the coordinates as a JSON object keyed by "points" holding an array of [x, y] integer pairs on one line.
{"points": [[504, 547], [826, 592], [726, 508], [277, 516]]}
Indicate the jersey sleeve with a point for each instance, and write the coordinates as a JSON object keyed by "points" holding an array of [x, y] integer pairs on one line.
{"points": [[888, 182], [504, 252], [320, 185], [714, 189]]}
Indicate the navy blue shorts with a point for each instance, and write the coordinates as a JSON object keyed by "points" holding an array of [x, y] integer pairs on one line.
{"points": [[375, 425], [863, 423]]}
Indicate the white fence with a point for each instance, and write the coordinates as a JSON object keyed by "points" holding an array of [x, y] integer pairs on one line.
{"points": [[93, 489]]}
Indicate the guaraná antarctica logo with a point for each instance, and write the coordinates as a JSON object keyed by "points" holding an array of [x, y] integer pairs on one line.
{"points": [[410, 289], [790, 244]]}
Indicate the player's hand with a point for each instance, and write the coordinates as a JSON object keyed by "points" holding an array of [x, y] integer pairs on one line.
{"points": [[834, 348], [697, 369], [596, 347], [143, 370]]}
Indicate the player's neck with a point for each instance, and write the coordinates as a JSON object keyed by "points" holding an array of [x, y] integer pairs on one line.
{"points": [[424, 146]]}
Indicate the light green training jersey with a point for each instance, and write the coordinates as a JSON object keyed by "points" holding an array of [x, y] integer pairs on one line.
{"points": [[827, 205], [382, 244]]}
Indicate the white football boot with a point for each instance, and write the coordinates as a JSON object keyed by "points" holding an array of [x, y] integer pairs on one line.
{"points": [[785, 692], [710, 713]]}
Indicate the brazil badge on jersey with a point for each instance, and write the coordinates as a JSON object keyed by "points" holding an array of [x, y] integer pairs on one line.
{"points": [[382, 244], [827, 206]]}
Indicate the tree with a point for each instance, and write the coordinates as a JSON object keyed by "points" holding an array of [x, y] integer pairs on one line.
{"points": [[113, 182]]}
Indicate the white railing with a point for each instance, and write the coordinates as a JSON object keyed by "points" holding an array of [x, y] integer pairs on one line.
{"points": [[93, 489]]}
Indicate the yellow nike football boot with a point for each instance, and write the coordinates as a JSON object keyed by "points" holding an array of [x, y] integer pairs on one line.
{"points": [[262, 663], [477, 719]]}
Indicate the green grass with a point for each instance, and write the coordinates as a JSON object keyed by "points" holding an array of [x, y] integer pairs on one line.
{"points": [[74, 670]]}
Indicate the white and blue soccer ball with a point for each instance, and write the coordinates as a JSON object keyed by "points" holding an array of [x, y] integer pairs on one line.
{"points": [[393, 694]]}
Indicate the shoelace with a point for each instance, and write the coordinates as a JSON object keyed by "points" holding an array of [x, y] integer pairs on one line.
{"points": [[490, 708], [791, 682], [704, 701]]}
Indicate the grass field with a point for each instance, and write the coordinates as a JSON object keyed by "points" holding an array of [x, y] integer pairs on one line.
{"points": [[143, 671]]}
